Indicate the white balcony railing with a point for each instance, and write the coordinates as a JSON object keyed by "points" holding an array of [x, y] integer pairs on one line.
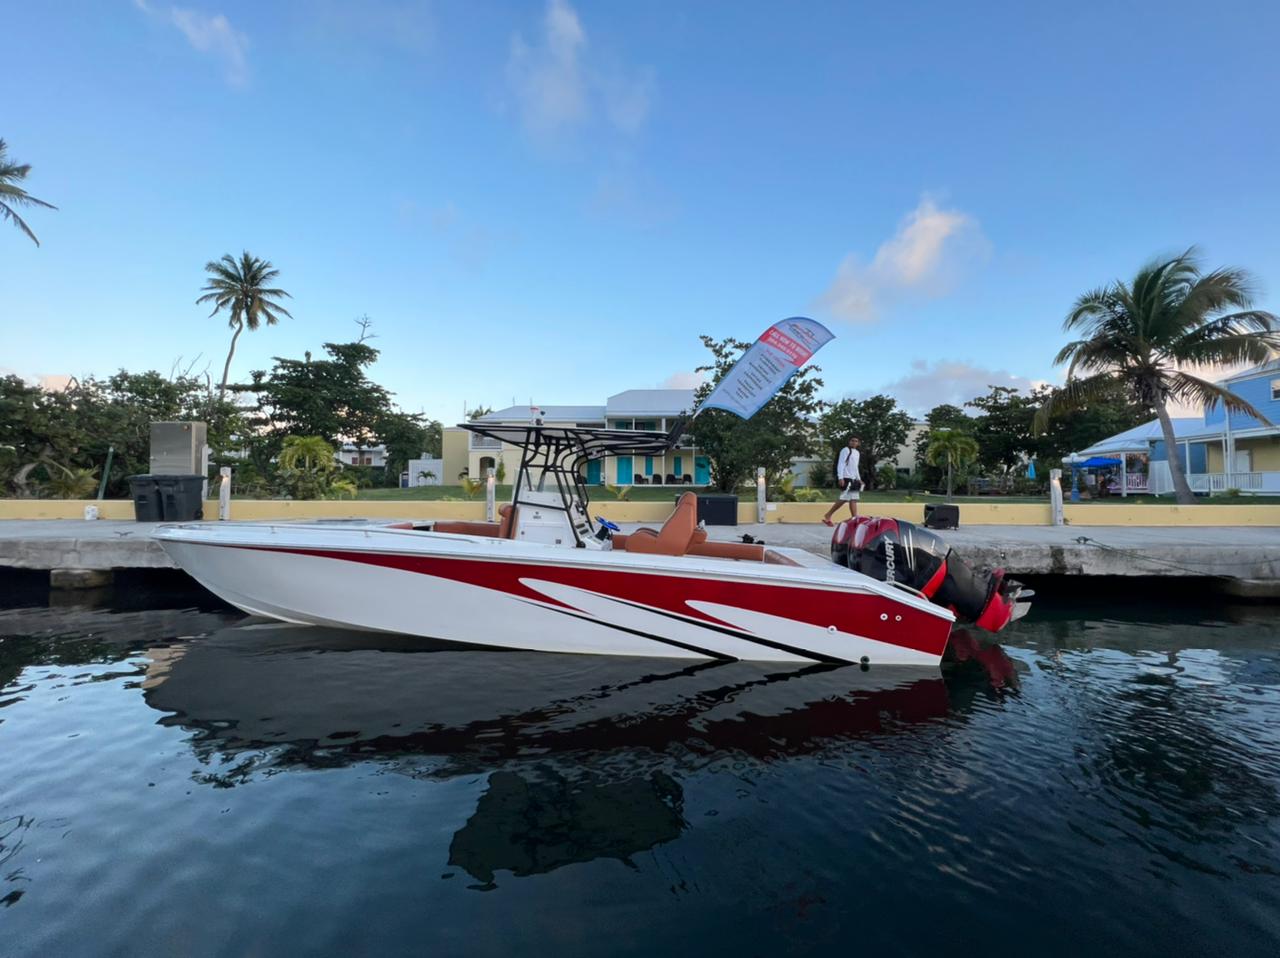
{"points": [[1215, 482], [485, 442]]}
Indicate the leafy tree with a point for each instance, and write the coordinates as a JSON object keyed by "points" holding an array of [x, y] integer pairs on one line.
{"points": [[781, 431], [240, 287], [878, 422], [1004, 430], [12, 196], [332, 398], [1111, 411], [406, 437], [954, 448], [1145, 332], [76, 426], [479, 411]]}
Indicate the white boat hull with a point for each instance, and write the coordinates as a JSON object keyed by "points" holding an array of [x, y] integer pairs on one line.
{"points": [[500, 593]]}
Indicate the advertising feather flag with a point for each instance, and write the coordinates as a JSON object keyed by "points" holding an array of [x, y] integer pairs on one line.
{"points": [[765, 368]]}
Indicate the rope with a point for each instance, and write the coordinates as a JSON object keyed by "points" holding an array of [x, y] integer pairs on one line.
{"points": [[1086, 541]]}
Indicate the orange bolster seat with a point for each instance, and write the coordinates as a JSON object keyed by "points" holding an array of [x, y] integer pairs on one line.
{"points": [[468, 528], [728, 550]]}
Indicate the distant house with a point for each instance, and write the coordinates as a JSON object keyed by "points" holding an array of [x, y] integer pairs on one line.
{"points": [[353, 455], [645, 409], [1219, 452]]}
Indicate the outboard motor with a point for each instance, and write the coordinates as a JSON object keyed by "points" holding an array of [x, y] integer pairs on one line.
{"points": [[892, 550]]}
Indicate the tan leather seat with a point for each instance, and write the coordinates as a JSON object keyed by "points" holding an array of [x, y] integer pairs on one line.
{"points": [[728, 550], [468, 528], [507, 525], [494, 530], [673, 538]]}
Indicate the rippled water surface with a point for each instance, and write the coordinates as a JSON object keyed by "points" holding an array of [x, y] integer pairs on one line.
{"points": [[188, 782]]}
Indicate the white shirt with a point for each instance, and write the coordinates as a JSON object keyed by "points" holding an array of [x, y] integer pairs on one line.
{"points": [[849, 463]]}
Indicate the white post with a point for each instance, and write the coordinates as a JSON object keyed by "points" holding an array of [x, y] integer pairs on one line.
{"points": [[205, 450], [490, 509], [1124, 475], [1229, 450], [760, 495], [224, 493], [1055, 496]]}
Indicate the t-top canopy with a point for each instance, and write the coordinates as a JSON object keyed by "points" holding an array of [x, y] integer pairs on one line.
{"points": [[586, 442]]}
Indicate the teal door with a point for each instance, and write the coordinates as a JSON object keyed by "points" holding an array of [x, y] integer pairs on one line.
{"points": [[593, 472], [648, 465], [701, 470], [626, 473], [679, 468]]}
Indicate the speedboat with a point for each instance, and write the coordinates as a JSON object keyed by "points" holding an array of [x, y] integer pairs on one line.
{"points": [[546, 577]]}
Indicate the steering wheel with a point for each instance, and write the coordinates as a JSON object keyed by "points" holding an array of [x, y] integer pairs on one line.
{"points": [[607, 524]]}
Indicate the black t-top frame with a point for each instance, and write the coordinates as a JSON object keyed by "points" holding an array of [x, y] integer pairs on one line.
{"points": [[562, 452]]}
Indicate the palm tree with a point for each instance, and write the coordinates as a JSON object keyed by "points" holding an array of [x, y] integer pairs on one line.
{"points": [[952, 446], [240, 287], [307, 454], [12, 195], [1143, 333]]}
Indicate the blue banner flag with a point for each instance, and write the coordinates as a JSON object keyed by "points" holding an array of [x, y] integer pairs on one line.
{"points": [[764, 368]]}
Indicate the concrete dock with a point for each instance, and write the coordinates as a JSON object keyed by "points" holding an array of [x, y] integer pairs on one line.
{"points": [[1245, 558]]}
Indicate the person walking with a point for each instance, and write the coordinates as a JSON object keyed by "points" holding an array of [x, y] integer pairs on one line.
{"points": [[849, 479]]}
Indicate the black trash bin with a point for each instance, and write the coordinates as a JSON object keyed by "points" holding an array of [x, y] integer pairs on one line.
{"points": [[941, 516], [146, 498], [181, 497], [717, 509]]}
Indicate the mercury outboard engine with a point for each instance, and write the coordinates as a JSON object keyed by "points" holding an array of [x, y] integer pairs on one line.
{"points": [[892, 550]]}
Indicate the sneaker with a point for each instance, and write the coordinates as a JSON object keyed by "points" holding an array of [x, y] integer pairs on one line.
{"points": [[827, 522]]}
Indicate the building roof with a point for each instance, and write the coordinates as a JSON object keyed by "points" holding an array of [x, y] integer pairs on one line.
{"points": [[1271, 366], [547, 413], [650, 402], [1139, 438]]}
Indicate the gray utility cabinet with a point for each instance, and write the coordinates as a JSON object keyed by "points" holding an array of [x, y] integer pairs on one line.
{"points": [[177, 448]]}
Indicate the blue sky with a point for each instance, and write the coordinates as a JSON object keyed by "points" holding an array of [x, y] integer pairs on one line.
{"points": [[550, 201]]}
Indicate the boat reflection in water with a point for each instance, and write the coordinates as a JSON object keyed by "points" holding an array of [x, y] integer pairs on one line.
{"points": [[584, 755]]}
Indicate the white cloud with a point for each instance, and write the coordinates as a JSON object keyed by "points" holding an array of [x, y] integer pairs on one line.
{"points": [[212, 34], [684, 379], [920, 259], [556, 89], [948, 381], [547, 79]]}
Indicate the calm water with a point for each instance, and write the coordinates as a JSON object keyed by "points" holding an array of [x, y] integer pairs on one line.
{"points": [[184, 782]]}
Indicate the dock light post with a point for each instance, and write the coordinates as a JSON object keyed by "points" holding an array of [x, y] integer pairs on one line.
{"points": [[1055, 496], [760, 495], [490, 488], [224, 493]]}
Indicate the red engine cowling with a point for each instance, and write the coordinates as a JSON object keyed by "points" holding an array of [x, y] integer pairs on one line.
{"points": [[892, 550]]}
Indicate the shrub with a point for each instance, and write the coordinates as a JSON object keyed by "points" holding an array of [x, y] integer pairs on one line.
{"points": [[821, 476], [621, 493]]}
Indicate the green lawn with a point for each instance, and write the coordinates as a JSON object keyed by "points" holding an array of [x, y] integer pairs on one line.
{"points": [[668, 494]]}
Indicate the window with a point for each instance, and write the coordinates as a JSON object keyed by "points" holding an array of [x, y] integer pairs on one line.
{"points": [[1275, 389]]}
